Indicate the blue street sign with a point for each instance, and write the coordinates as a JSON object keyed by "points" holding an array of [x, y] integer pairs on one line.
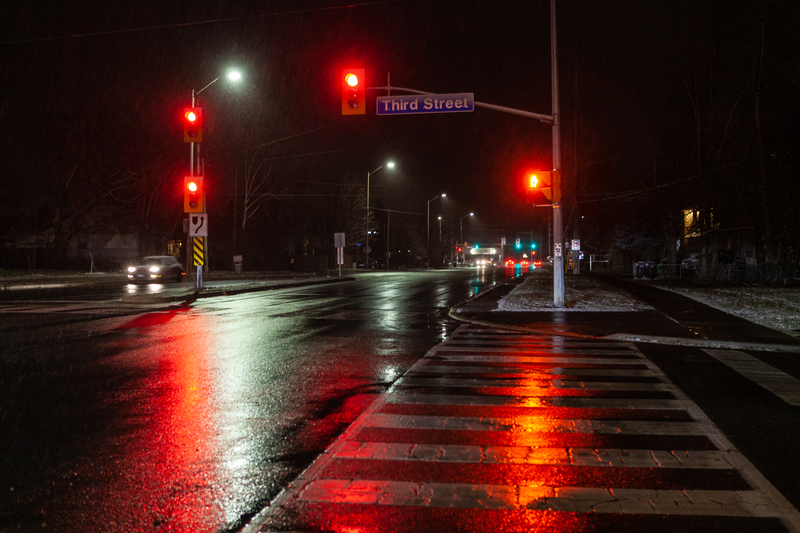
{"points": [[425, 103]]}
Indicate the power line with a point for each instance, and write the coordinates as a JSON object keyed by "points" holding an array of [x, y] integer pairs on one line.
{"points": [[196, 23]]}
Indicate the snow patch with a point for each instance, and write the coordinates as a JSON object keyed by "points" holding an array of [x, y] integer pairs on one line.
{"points": [[582, 293]]}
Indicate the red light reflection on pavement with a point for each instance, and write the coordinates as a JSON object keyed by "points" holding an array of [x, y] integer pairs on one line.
{"points": [[343, 518], [164, 472]]}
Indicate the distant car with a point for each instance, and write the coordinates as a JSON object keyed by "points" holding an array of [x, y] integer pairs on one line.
{"points": [[690, 262], [156, 268]]}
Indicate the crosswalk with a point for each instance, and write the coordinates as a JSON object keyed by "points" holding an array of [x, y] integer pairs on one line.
{"points": [[502, 431]]}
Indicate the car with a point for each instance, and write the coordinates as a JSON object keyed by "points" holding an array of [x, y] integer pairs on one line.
{"points": [[690, 262], [156, 268]]}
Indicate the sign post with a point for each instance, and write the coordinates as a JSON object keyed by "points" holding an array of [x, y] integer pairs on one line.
{"points": [[338, 242], [198, 231]]}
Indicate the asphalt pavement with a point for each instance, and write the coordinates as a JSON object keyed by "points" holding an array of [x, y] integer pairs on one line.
{"points": [[549, 421], [545, 421]]}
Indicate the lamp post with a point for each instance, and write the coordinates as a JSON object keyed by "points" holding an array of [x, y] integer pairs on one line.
{"points": [[390, 164], [429, 225], [461, 229], [439, 245], [233, 75]]}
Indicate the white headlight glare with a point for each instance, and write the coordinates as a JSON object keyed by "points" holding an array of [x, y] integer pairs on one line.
{"points": [[131, 269], [154, 269]]}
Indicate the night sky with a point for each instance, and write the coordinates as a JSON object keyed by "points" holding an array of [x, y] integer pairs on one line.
{"points": [[109, 81]]}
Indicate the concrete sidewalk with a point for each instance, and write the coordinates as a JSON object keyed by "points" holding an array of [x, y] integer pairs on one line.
{"points": [[676, 320]]}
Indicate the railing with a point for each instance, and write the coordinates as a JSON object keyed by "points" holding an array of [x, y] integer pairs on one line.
{"points": [[598, 261]]}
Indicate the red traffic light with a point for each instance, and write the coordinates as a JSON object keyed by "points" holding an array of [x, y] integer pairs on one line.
{"points": [[354, 91], [192, 125], [193, 194]]}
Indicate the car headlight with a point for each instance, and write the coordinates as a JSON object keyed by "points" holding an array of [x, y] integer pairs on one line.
{"points": [[154, 269], [131, 269]]}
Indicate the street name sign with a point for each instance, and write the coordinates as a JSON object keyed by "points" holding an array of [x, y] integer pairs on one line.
{"points": [[418, 104]]}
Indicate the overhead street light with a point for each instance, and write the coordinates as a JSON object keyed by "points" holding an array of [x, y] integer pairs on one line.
{"points": [[443, 195], [232, 75], [389, 164]]}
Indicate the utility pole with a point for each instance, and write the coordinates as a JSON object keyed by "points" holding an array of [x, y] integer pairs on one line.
{"points": [[558, 232], [576, 233]]}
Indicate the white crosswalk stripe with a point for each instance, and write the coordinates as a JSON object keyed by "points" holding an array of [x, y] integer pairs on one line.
{"points": [[511, 423]]}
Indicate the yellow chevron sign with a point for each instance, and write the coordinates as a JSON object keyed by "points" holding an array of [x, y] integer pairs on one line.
{"points": [[199, 251]]}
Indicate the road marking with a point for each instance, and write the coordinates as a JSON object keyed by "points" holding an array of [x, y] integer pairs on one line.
{"points": [[531, 359], [555, 371], [449, 435], [534, 424], [543, 498], [388, 451], [599, 403], [779, 383], [531, 384]]}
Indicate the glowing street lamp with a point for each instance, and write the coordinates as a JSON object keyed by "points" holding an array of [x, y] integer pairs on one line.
{"points": [[389, 164]]}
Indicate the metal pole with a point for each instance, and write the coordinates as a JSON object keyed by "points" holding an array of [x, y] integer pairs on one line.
{"points": [[440, 241], [189, 241], [428, 234], [366, 248], [388, 253], [558, 237], [191, 148]]}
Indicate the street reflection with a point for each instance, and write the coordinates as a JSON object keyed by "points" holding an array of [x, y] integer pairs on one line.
{"points": [[133, 288], [168, 473]]}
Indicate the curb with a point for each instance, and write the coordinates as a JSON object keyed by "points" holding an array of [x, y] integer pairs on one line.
{"points": [[195, 295], [624, 337]]}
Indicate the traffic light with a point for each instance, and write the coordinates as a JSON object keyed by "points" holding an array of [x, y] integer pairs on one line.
{"points": [[517, 245], [354, 91], [193, 194], [192, 124], [533, 245], [538, 188]]}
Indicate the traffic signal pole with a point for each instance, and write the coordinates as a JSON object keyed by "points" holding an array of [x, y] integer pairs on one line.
{"points": [[558, 237], [198, 283], [558, 230]]}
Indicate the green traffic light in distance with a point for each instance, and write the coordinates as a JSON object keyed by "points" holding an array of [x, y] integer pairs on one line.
{"points": [[533, 246]]}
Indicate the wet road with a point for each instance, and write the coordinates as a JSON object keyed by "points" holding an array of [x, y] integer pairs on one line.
{"points": [[507, 432], [192, 418]]}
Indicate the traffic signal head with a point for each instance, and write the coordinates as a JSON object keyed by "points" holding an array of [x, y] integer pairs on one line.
{"points": [[538, 188], [193, 194], [192, 124], [354, 91]]}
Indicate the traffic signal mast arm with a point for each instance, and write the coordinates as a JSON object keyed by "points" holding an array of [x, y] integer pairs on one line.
{"points": [[547, 119]]}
